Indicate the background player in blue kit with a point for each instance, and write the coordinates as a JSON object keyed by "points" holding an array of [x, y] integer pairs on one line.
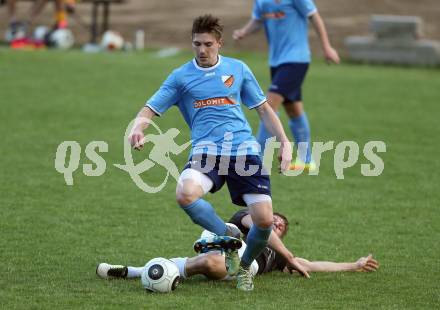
{"points": [[209, 92], [286, 26]]}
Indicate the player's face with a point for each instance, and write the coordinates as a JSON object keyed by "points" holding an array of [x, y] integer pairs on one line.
{"points": [[279, 227], [206, 47]]}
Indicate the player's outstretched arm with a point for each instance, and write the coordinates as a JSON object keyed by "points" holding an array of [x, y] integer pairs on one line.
{"points": [[330, 54], [141, 123], [252, 26], [366, 264], [273, 125]]}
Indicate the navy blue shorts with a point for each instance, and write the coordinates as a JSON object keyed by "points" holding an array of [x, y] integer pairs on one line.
{"points": [[287, 80], [239, 182]]}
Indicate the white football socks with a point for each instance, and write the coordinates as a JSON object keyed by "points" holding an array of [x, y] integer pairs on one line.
{"points": [[134, 272], [180, 262]]}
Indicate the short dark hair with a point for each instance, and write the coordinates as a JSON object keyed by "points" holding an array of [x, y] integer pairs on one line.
{"points": [[285, 220], [208, 24]]}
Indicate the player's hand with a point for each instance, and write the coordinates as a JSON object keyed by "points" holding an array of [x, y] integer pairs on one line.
{"points": [[238, 34], [367, 264], [136, 139], [331, 55], [294, 264], [285, 155]]}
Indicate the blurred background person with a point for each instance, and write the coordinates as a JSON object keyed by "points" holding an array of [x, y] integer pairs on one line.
{"points": [[18, 29], [286, 24]]}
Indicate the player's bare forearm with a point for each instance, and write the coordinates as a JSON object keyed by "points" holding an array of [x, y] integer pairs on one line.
{"points": [[143, 119], [366, 264], [272, 122], [141, 123], [327, 266], [252, 26], [320, 29], [329, 52], [278, 246], [292, 262], [273, 125]]}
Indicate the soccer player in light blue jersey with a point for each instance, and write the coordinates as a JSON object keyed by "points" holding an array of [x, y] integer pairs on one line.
{"points": [[210, 91], [286, 26]]}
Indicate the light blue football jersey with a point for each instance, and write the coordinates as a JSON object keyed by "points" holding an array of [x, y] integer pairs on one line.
{"points": [[286, 25], [210, 101]]}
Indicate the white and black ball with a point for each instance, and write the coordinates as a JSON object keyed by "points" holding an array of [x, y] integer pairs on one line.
{"points": [[160, 275]]}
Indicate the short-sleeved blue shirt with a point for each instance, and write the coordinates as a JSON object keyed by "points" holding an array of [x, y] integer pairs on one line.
{"points": [[210, 101], [286, 26]]}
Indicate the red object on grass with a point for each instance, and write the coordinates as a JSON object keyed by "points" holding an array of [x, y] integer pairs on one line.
{"points": [[27, 44]]}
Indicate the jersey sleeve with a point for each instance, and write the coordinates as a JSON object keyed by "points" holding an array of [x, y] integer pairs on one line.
{"points": [[256, 11], [305, 7], [166, 96], [252, 95]]}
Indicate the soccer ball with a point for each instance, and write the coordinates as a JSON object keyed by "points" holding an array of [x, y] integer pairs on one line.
{"points": [[41, 32], [160, 275], [112, 40], [61, 39]]}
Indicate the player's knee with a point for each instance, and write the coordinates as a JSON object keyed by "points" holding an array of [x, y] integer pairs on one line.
{"points": [[294, 109], [184, 199], [260, 208], [264, 219], [213, 263], [265, 223], [187, 193], [274, 100]]}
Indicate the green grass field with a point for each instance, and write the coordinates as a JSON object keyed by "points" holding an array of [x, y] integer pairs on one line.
{"points": [[53, 235]]}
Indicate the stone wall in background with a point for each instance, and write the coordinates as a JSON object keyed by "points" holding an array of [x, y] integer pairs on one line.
{"points": [[394, 40]]}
